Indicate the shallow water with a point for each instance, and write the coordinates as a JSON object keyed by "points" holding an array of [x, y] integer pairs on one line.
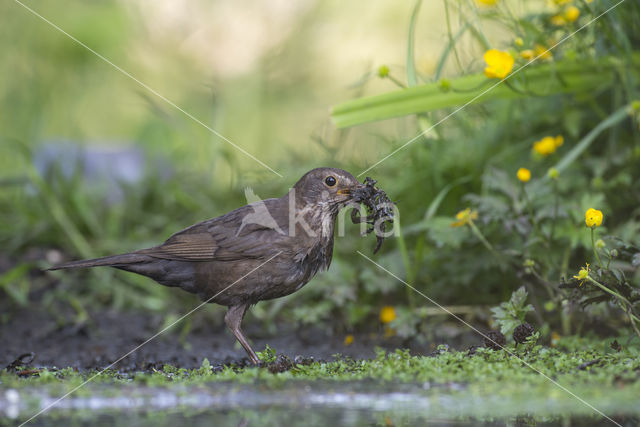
{"points": [[324, 403]]}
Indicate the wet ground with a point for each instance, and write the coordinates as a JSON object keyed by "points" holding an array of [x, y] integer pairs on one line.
{"points": [[108, 335]]}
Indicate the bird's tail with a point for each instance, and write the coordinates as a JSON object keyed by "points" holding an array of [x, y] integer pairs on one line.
{"points": [[107, 261]]}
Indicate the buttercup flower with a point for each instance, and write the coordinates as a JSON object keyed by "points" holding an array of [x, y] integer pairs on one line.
{"points": [[593, 218], [583, 274], [499, 63], [527, 54], [558, 20], [571, 14], [542, 52], [348, 340], [387, 314], [518, 41], [548, 145], [464, 217], [524, 174]]}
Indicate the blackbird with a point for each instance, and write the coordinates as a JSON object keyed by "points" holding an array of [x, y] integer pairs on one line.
{"points": [[264, 250]]}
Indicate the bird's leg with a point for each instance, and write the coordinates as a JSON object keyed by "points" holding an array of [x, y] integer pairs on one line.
{"points": [[233, 319]]}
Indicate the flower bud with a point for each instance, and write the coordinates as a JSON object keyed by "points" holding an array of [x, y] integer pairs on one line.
{"points": [[383, 71], [445, 85]]}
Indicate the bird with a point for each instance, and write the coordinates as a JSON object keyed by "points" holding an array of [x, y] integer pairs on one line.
{"points": [[264, 250]]}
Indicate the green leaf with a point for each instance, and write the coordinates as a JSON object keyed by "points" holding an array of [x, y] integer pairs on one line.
{"points": [[585, 142], [562, 77], [411, 66], [512, 313], [15, 283]]}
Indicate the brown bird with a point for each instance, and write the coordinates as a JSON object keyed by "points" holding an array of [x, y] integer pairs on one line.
{"points": [[264, 250]]}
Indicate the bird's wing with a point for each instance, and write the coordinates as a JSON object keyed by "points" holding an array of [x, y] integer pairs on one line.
{"points": [[225, 238], [185, 247]]}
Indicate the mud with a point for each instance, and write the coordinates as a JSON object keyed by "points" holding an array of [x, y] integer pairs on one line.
{"points": [[108, 335]]}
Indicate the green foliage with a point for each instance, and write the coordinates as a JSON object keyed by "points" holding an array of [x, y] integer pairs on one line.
{"points": [[568, 77], [268, 355], [16, 284], [485, 368], [523, 234], [510, 314], [205, 369], [529, 235]]}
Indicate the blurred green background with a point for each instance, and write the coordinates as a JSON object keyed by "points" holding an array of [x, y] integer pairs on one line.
{"points": [[266, 76]]}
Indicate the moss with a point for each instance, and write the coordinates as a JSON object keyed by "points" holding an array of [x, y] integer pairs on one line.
{"points": [[489, 368], [486, 385]]}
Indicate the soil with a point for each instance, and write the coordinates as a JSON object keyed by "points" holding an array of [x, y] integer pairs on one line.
{"points": [[109, 335]]}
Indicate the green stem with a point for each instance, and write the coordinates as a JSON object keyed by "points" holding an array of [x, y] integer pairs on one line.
{"points": [[628, 308], [595, 251], [555, 210], [396, 81], [451, 42], [546, 284], [528, 207], [485, 242], [614, 293], [407, 263], [632, 321]]}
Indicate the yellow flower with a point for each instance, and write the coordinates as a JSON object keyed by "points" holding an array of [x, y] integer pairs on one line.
{"points": [[571, 14], [593, 218], [486, 2], [465, 217], [542, 52], [387, 314], [499, 63], [583, 274], [548, 145], [527, 54], [524, 174], [518, 41], [558, 20], [348, 340], [545, 146]]}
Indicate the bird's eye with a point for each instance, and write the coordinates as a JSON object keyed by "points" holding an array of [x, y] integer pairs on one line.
{"points": [[330, 181]]}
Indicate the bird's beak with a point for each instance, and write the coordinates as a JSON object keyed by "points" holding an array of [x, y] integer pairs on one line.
{"points": [[350, 190]]}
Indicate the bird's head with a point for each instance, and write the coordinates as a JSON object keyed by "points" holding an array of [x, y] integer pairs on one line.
{"points": [[329, 187]]}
